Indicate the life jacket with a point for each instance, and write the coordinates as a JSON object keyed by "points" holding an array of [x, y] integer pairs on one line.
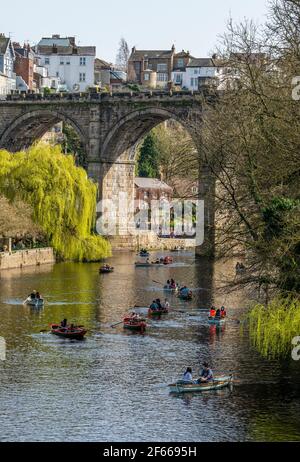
{"points": [[212, 313]]}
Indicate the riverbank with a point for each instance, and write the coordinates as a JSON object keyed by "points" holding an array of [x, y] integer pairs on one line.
{"points": [[150, 241], [25, 258]]}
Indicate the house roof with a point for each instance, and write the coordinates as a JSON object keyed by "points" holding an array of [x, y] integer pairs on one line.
{"points": [[184, 54], [101, 64], [57, 41], [151, 183], [201, 62], [137, 55], [67, 50]]}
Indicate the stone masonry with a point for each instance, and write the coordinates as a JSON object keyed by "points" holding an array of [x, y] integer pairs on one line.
{"points": [[109, 126]]}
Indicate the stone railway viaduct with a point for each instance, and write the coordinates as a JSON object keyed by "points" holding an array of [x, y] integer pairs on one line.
{"points": [[110, 127]]}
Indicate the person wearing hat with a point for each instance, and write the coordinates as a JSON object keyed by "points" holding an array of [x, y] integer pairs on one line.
{"points": [[206, 374]]}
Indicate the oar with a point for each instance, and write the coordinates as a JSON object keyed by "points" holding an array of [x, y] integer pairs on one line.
{"points": [[157, 282], [116, 324]]}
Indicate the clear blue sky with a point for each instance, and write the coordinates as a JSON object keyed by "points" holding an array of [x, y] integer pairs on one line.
{"points": [[192, 25]]}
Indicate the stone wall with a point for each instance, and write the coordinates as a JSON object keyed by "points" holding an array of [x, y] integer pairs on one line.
{"points": [[24, 258], [150, 241]]}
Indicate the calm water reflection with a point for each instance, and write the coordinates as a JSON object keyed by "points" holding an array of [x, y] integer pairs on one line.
{"points": [[112, 386]]}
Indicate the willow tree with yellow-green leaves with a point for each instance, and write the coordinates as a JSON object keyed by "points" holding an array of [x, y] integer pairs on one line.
{"points": [[62, 197]]}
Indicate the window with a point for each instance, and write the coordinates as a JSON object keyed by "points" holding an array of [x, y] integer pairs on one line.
{"points": [[192, 81], [82, 77], [82, 61], [162, 67], [68, 62], [162, 77], [47, 60], [57, 74], [180, 62], [61, 62], [178, 78], [146, 77], [195, 71]]}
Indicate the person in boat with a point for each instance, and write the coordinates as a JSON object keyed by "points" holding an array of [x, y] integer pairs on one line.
{"points": [[158, 302], [218, 313], [184, 291], [206, 374], [166, 305], [154, 306], [187, 376], [168, 283], [38, 296], [173, 284], [212, 312], [64, 323], [223, 312], [32, 296]]}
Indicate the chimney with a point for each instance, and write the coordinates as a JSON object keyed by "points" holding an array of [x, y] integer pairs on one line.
{"points": [[133, 50], [56, 36], [72, 41]]}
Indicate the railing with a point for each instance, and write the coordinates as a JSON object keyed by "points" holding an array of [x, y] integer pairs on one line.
{"points": [[104, 96]]}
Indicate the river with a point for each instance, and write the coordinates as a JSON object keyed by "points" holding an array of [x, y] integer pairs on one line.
{"points": [[113, 385]]}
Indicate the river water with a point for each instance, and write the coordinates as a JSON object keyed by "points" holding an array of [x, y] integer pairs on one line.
{"points": [[113, 385]]}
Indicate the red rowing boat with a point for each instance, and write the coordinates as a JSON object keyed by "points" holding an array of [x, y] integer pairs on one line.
{"points": [[73, 333], [134, 324]]}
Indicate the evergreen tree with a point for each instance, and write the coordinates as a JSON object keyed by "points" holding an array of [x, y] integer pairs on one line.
{"points": [[148, 162]]}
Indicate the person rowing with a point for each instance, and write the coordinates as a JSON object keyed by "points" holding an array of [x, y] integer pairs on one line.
{"points": [[166, 305], [223, 312], [187, 376], [206, 374], [212, 312], [185, 291], [33, 295], [154, 306]]}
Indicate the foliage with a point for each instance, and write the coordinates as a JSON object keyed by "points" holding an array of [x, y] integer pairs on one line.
{"points": [[63, 199], [148, 159], [72, 144], [272, 329]]}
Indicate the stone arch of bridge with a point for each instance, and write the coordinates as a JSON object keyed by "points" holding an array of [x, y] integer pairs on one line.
{"points": [[118, 153], [32, 125]]}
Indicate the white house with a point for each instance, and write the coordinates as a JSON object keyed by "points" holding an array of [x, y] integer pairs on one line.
{"points": [[7, 58], [198, 69], [72, 64]]}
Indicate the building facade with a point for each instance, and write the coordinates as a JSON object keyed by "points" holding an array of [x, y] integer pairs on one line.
{"points": [[7, 59], [24, 63], [143, 64], [73, 65]]}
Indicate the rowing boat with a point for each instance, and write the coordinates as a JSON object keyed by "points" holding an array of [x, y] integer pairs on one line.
{"points": [[171, 288], [157, 312], [144, 254], [104, 270], [36, 302], [74, 333], [217, 321], [187, 297], [133, 324], [216, 384], [142, 265]]}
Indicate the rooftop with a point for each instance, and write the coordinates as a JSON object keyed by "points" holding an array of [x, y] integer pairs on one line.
{"points": [[151, 54], [201, 62], [151, 183]]}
